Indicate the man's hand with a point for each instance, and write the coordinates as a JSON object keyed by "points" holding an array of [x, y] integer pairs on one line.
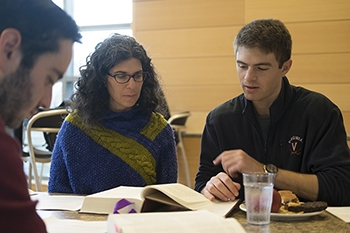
{"points": [[221, 187], [237, 161]]}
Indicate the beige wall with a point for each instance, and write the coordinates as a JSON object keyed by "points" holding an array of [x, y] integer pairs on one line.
{"points": [[190, 42]]}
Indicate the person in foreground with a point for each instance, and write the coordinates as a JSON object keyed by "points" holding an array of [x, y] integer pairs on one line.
{"points": [[36, 39], [274, 127], [115, 134]]}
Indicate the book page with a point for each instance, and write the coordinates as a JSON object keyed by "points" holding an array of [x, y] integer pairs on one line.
{"points": [[222, 208], [188, 221], [161, 197], [31, 192], [57, 202], [341, 212], [55, 225], [178, 192], [104, 202], [190, 198]]}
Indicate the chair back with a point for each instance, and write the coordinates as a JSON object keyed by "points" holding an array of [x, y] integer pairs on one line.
{"points": [[179, 118], [49, 122], [178, 122]]}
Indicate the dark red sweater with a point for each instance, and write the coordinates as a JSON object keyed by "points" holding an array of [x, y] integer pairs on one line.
{"points": [[17, 211]]}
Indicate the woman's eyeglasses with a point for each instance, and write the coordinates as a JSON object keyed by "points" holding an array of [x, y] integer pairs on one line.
{"points": [[124, 78]]}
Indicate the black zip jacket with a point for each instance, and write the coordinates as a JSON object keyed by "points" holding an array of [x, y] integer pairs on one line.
{"points": [[306, 135]]}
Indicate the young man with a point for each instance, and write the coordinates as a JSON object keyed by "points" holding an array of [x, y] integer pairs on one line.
{"points": [[36, 39], [274, 127]]}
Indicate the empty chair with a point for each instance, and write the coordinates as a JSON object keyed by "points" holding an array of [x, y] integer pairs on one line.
{"points": [[49, 122], [178, 122]]}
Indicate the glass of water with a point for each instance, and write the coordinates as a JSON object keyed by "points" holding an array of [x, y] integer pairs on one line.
{"points": [[258, 189]]}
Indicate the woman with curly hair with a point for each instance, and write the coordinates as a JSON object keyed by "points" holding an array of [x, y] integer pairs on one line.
{"points": [[116, 133]]}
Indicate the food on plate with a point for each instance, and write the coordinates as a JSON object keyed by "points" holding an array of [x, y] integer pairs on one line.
{"points": [[276, 201], [308, 207], [292, 205], [288, 199], [288, 196]]}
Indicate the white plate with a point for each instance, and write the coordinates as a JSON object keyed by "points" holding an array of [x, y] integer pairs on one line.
{"points": [[286, 217]]}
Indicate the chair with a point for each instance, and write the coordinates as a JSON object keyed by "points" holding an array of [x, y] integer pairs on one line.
{"points": [[178, 122], [49, 122]]}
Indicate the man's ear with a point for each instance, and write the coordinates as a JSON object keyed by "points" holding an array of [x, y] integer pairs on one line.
{"points": [[10, 53], [286, 66]]}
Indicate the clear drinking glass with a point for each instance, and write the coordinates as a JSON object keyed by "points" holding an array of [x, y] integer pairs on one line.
{"points": [[258, 197]]}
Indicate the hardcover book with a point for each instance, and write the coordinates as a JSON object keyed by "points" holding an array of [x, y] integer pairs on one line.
{"points": [[155, 198]]}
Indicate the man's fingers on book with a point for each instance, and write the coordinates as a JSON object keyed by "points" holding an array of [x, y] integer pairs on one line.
{"points": [[208, 195]]}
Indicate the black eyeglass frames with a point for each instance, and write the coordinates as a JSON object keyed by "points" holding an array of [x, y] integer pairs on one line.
{"points": [[124, 78]]}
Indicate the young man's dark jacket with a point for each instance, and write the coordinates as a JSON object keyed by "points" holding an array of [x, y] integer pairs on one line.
{"points": [[306, 135]]}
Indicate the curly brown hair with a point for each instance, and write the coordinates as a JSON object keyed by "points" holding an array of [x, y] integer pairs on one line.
{"points": [[91, 100]]}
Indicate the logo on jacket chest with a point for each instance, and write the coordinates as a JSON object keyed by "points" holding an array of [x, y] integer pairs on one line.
{"points": [[296, 145]]}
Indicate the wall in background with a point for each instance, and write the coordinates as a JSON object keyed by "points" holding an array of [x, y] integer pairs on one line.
{"points": [[191, 46]]}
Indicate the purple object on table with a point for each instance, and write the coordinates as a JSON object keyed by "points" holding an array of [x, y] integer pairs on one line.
{"points": [[124, 206]]}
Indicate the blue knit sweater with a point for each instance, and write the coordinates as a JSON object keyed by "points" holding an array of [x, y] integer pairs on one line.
{"points": [[128, 148]]}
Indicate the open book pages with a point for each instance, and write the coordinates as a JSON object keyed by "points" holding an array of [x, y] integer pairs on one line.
{"points": [[178, 194], [155, 198], [187, 221]]}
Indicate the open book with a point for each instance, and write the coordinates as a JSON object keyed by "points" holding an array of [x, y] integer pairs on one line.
{"points": [[155, 198]]}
